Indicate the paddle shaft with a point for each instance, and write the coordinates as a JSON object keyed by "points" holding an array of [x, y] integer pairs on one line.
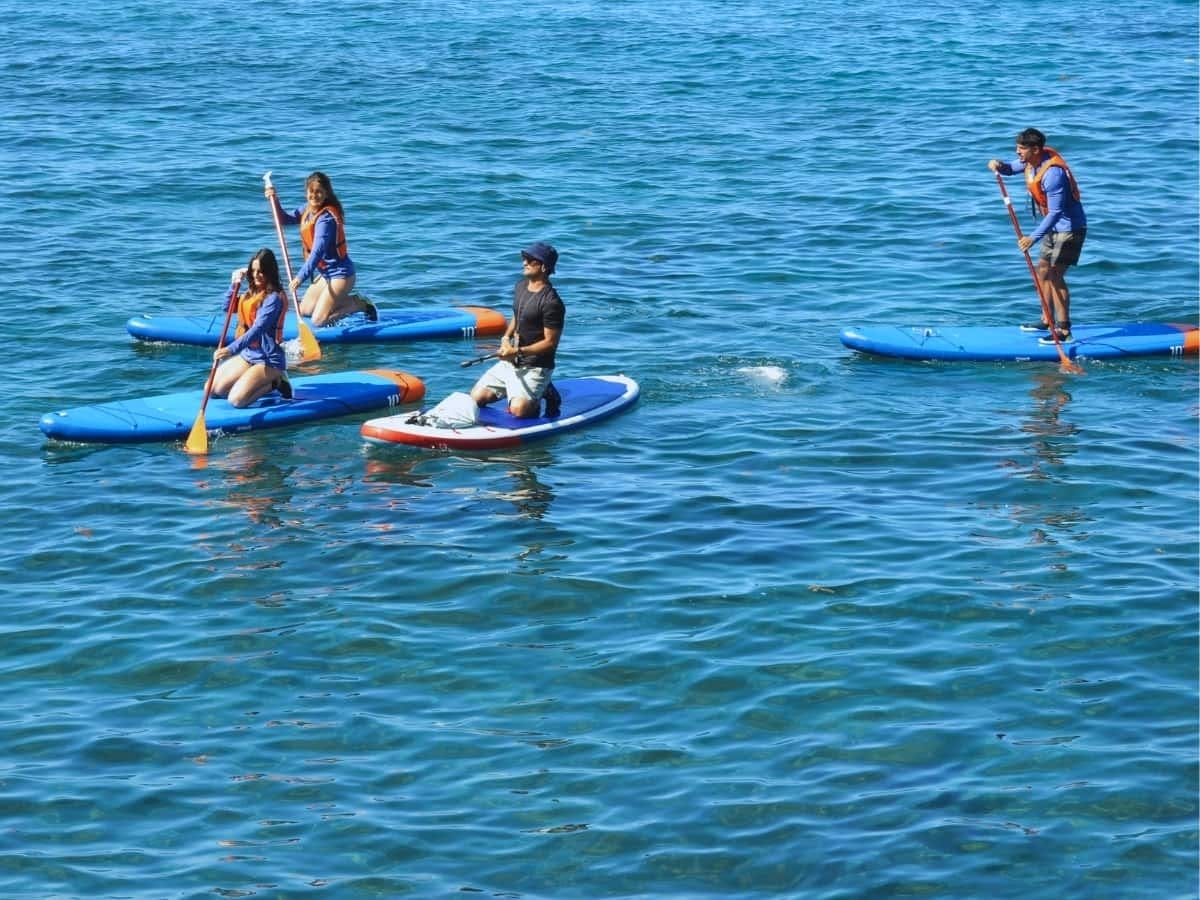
{"points": [[477, 360], [1047, 317], [1037, 282], [287, 260], [212, 373], [307, 339], [197, 441]]}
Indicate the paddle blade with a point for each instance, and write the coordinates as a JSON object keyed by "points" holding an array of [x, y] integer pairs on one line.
{"points": [[310, 350], [1068, 366], [197, 441]]}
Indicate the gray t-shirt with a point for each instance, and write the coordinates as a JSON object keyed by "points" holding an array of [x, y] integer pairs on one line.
{"points": [[534, 312]]}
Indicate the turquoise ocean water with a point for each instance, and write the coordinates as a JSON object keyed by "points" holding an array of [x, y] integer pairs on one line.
{"points": [[801, 624]]}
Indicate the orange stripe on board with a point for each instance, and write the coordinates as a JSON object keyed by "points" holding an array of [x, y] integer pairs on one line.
{"points": [[1191, 341], [412, 388], [1191, 336], [487, 321]]}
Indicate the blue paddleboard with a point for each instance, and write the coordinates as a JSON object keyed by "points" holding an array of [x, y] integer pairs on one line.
{"points": [[169, 417], [1009, 342], [584, 401], [393, 325]]}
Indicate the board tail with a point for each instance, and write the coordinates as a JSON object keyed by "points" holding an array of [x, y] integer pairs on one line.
{"points": [[487, 321], [412, 389]]}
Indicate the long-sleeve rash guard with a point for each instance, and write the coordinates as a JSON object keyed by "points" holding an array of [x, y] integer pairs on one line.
{"points": [[1064, 212], [257, 343], [324, 248]]}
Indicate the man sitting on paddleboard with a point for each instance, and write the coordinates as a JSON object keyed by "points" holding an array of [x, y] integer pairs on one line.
{"points": [[528, 346], [1063, 226]]}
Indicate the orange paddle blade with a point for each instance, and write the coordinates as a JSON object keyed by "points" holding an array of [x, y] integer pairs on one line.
{"points": [[1069, 365], [309, 348], [197, 441]]}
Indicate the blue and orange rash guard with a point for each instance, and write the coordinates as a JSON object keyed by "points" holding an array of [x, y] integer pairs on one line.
{"points": [[1061, 207], [260, 328], [324, 242]]}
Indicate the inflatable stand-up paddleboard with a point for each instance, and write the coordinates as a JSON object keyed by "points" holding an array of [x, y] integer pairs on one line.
{"points": [[169, 417], [584, 401], [393, 325], [1010, 342]]}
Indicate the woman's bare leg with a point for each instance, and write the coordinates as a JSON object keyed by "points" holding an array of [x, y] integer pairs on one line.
{"points": [[257, 381], [228, 372], [328, 301]]}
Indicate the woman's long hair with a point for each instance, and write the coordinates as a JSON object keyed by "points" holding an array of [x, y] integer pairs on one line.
{"points": [[269, 266], [322, 180]]}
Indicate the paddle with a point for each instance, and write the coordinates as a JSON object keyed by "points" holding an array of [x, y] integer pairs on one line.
{"points": [[1067, 363], [477, 360], [516, 340], [197, 440], [310, 350]]}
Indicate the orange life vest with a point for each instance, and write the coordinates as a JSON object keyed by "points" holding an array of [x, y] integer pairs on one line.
{"points": [[247, 311], [1033, 178], [308, 227]]}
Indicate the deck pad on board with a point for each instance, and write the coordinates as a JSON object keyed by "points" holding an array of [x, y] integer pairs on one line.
{"points": [[584, 401]]}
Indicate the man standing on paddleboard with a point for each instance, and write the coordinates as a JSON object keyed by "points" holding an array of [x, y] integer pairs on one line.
{"points": [[528, 346], [1062, 229]]}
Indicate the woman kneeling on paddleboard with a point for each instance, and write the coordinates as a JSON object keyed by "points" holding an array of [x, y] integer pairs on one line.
{"points": [[327, 258], [255, 362]]}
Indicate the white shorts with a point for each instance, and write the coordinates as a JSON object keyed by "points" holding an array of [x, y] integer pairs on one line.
{"points": [[506, 380]]}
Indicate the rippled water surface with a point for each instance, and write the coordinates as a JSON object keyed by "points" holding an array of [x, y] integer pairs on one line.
{"points": [[802, 623]]}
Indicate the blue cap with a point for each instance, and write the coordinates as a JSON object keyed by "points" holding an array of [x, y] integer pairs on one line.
{"points": [[543, 253]]}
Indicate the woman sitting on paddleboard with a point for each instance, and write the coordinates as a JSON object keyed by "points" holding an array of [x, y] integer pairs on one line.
{"points": [[327, 258], [254, 362]]}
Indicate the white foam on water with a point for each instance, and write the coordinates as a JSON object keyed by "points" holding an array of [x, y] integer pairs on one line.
{"points": [[293, 350], [772, 375]]}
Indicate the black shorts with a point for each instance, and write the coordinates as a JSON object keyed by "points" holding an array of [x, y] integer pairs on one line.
{"points": [[1062, 248]]}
